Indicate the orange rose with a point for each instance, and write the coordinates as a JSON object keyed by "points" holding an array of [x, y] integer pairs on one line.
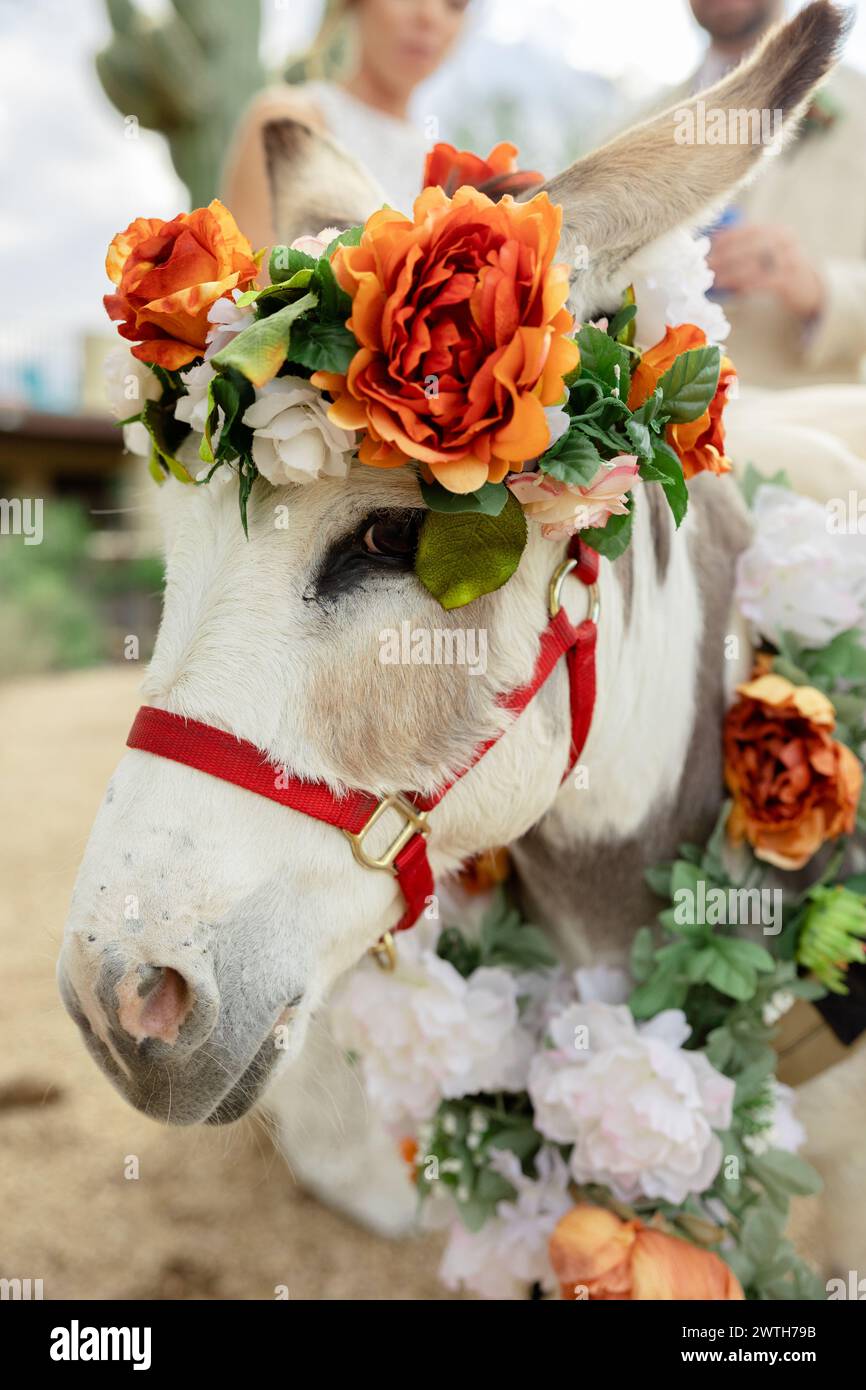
{"points": [[168, 274], [700, 444], [793, 785], [483, 871], [595, 1250], [496, 175], [461, 320]]}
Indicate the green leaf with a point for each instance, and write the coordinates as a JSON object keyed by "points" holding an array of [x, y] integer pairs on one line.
{"points": [[659, 879], [646, 413], [664, 989], [322, 347], [166, 434], [285, 262], [574, 459], [690, 384], [618, 325], [605, 360], [489, 499], [842, 659], [260, 350], [462, 556], [334, 303], [281, 290], [737, 979], [640, 437], [752, 480], [785, 1171], [611, 540], [668, 471], [350, 237], [642, 954], [761, 1235], [523, 1142]]}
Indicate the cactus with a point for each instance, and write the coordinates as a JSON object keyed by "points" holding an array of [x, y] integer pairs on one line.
{"points": [[189, 75]]}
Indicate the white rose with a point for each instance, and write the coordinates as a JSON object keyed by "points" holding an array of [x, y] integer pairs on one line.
{"points": [[128, 384], [293, 439], [192, 408], [798, 577], [638, 1109], [228, 320]]}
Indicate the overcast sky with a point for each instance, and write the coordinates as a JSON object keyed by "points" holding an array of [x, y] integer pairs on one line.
{"points": [[70, 179]]}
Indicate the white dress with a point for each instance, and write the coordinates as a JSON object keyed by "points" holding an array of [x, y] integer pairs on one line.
{"points": [[392, 150]]}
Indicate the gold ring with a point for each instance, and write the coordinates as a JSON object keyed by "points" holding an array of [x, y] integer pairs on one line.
{"points": [[385, 952], [554, 593]]}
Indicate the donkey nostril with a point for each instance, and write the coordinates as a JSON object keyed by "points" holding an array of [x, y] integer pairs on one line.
{"points": [[154, 1002]]}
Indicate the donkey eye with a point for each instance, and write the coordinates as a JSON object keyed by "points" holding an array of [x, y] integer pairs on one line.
{"points": [[385, 540], [392, 538]]}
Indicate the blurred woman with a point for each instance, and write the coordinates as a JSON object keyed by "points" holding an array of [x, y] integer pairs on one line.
{"points": [[397, 45]]}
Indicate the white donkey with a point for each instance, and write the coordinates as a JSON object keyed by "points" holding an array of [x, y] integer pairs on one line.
{"points": [[205, 916]]}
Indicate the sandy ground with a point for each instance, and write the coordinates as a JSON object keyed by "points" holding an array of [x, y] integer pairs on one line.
{"points": [[214, 1214]]}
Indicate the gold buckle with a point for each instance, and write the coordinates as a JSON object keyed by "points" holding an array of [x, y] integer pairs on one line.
{"points": [[554, 592], [384, 952], [416, 824]]}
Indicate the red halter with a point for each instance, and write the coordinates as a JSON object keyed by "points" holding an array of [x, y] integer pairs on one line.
{"points": [[222, 755]]}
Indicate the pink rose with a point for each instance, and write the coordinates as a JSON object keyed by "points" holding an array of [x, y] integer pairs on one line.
{"points": [[564, 508]]}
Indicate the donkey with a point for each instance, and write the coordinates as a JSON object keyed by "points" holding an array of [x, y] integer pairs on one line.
{"points": [[204, 918]]}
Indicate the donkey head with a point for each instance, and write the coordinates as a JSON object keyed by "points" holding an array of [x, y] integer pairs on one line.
{"points": [[208, 923]]}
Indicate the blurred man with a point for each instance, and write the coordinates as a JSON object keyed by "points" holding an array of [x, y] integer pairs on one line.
{"points": [[790, 256]]}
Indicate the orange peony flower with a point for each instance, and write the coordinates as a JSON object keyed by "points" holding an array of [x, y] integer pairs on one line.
{"points": [[461, 320], [794, 786], [496, 175], [700, 444], [592, 1249], [168, 274]]}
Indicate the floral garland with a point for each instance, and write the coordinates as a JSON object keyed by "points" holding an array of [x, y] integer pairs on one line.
{"points": [[440, 342], [621, 1133], [609, 1133]]}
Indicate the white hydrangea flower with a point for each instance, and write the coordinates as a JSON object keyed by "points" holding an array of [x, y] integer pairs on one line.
{"points": [[510, 1253], [128, 384], [797, 576], [293, 439], [639, 1110], [424, 1033], [671, 278]]}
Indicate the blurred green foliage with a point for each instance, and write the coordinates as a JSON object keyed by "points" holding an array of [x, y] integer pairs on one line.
{"points": [[187, 72], [60, 607]]}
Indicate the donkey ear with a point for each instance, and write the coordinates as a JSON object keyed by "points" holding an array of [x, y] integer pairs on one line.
{"points": [[315, 183], [649, 180]]}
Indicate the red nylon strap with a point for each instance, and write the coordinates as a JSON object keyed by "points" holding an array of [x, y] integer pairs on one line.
{"points": [[221, 754]]}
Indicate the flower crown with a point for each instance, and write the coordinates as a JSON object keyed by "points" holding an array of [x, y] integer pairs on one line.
{"points": [[441, 342]]}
